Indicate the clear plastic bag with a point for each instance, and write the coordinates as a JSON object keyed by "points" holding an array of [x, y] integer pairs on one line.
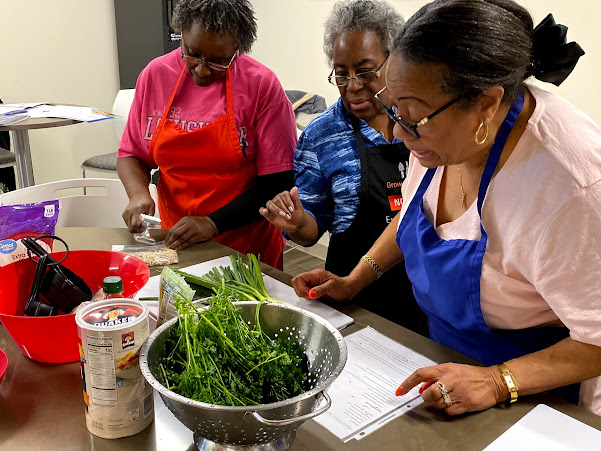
{"points": [[151, 255], [172, 286]]}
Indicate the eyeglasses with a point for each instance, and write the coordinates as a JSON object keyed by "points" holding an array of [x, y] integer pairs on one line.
{"points": [[362, 77], [407, 126], [213, 66]]}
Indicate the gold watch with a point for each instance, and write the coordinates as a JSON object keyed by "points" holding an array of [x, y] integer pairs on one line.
{"points": [[509, 380]]}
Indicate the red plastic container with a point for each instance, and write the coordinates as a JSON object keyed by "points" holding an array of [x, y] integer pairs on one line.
{"points": [[3, 364], [54, 339]]}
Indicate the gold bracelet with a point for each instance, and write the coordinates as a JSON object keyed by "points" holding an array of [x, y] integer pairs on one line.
{"points": [[371, 262], [509, 380]]}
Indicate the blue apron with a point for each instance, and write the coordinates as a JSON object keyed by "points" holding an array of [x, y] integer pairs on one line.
{"points": [[446, 279]]}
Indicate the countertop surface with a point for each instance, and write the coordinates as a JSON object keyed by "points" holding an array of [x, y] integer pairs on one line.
{"points": [[41, 405]]}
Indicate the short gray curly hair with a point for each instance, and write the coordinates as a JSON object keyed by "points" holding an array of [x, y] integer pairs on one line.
{"points": [[361, 15], [219, 16]]}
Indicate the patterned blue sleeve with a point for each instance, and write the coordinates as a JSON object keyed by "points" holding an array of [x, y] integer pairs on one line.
{"points": [[328, 171], [313, 186]]}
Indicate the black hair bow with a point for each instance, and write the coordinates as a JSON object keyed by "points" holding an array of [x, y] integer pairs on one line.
{"points": [[553, 59]]}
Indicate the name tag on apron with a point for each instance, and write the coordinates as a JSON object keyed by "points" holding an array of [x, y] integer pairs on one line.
{"points": [[396, 202]]}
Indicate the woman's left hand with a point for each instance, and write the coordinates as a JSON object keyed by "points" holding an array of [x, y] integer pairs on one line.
{"points": [[190, 230], [470, 388]]}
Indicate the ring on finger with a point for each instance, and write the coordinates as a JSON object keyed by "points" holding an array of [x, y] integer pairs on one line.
{"points": [[445, 394]]}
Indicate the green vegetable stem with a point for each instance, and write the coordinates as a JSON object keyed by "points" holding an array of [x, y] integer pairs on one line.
{"points": [[244, 282], [214, 356]]}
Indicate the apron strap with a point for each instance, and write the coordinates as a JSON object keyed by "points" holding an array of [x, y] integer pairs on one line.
{"points": [[497, 149], [362, 159], [168, 107], [231, 118], [165, 112], [417, 198]]}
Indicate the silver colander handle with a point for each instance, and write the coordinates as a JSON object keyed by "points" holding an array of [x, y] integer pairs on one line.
{"points": [[288, 421]]}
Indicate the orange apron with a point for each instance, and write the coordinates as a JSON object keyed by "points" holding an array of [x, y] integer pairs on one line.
{"points": [[205, 169]]}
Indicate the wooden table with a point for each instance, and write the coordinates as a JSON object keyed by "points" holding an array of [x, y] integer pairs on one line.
{"points": [[20, 135], [41, 404]]}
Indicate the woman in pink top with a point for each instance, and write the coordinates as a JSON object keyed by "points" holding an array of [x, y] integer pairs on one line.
{"points": [[500, 225], [219, 127]]}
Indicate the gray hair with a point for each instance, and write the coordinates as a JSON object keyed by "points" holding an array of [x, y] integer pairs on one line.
{"points": [[222, 17], [361, 15]]}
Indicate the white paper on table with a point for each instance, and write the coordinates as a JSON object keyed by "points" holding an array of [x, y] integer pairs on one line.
{"points": [[11, 107], [363, 396], [83, 114], [274, 287], [548, 429]]}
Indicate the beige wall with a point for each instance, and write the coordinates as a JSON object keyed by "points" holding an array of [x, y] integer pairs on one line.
{"points": [[61, 51], [291, 33], [65, 51]]}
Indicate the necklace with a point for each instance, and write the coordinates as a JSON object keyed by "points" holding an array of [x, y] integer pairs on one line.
{"points": [[462, 192], [461, 182]]}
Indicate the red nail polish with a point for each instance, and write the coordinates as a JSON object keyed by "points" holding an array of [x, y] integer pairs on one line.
{"points": [[312, 294], [399, 391], [422, 388]]}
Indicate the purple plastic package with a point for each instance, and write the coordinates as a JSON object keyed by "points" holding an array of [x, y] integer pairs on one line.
{"points": [[25, 220]]}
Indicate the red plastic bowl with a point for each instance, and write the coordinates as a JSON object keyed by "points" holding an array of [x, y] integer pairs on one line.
{"points": [[3, 364], [54, 339]]}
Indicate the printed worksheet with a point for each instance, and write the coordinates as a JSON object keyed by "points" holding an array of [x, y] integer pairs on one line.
{"points": [[363, 396]]}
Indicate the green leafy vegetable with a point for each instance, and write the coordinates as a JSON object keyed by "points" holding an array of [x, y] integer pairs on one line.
{"points": [[243, 282], [214, 356]]}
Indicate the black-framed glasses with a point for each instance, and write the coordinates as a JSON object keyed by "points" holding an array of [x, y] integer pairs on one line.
{"points": [[362, 78], [407, 126], [213, 66]]}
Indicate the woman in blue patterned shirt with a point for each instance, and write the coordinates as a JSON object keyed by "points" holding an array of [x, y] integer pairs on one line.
{"points": [[348, 167]]}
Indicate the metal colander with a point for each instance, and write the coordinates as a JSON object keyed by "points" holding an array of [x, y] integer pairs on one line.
{"points": [[255, 425]]}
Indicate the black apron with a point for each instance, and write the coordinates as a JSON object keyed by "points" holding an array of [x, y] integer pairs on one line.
{"points": [[383, 169]]}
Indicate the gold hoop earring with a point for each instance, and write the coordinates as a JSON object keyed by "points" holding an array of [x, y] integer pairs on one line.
{"points": [[485, 137]]}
